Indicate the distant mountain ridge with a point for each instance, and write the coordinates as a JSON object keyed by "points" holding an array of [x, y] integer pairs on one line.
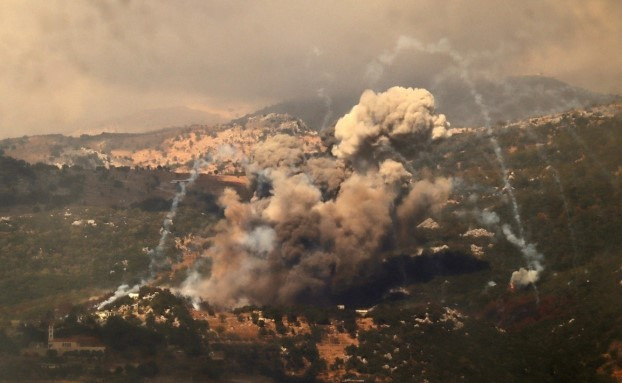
{"points": [[151, 119], [516, 98]]}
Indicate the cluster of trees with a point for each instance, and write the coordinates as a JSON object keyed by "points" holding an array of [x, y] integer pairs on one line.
{"points": [[49, 257], [39, 184], [179, 329]]}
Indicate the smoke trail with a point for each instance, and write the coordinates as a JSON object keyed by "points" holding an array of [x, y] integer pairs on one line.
{"points": [[328, 102], [121, 291], [376, 69], [523, 276], [592, 156], [530, 253], [157, 257], [560, 187]]}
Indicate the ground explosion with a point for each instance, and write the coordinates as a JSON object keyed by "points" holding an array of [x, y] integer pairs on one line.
{"points": [[314, 224]]}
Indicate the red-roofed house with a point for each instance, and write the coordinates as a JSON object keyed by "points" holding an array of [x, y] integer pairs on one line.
{"points": [[74, 343]]}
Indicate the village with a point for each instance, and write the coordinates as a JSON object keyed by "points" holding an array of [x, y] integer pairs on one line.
{"points": [[320, 343]]}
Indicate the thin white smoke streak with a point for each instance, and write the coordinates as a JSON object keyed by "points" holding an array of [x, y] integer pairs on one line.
{"points": [[592, 156], [484, 110], [532, 264], [507, 186], [121, 291], [521, 277], [571, 230], [157, 255], [562, 193], [375, 71], [537, 293], [328, 102]]}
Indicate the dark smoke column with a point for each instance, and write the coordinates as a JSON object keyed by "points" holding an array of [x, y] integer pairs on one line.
{"points": [[313, 223]]}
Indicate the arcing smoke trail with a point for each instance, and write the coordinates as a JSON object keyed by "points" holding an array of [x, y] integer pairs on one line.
{"points": [[562, 193], [375, 71], [592, 156], [521, 277], [158, 258], [529, 276]]}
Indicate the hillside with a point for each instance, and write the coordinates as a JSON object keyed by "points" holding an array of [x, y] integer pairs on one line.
{"points": [[174, 148], [440, 308]]}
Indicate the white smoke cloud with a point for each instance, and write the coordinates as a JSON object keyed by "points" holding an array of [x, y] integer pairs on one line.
{"points": [[261, 239], [523, 276], [399, 115], [121, 291], [489, 218]]}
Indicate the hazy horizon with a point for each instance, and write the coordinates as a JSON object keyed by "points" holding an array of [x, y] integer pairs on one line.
{"points": [[71, 66]]}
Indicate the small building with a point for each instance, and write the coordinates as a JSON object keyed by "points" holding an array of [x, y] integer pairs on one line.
{"points": [[74, 344], [362, 312]]}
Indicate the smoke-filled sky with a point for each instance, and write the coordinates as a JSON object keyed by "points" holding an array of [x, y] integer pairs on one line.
{"points": [[71, 65]]}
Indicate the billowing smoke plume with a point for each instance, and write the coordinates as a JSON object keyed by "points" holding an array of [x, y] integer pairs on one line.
{"points": [[315, 225], [397, 118]]}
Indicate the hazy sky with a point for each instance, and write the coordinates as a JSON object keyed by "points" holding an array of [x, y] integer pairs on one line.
{"points": [[68, 65]]}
